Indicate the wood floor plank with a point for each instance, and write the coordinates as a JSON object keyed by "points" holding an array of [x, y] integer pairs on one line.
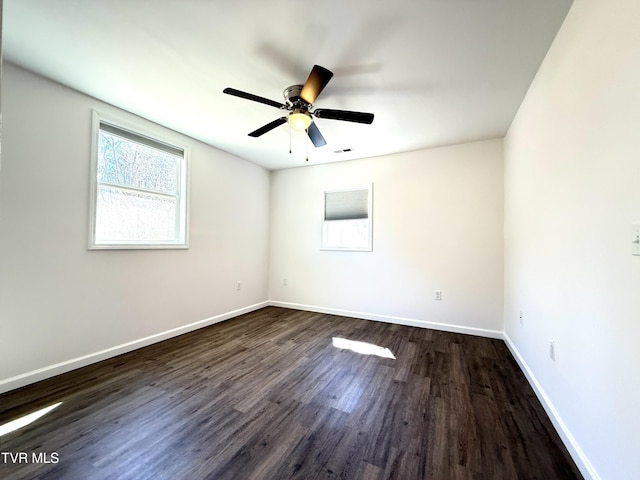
{"points": [[268, 396]]}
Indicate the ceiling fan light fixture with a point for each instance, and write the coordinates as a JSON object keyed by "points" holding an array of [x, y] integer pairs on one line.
{"points": [[299, 120]]}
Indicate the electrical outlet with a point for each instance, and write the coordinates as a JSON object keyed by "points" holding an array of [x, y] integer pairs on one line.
{"points": [[437, 295], [284, 282], [239, 286], [635, 239], [552, 350]]}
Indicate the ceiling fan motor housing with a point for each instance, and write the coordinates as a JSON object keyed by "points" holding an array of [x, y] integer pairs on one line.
{"points": [[292, 97]]}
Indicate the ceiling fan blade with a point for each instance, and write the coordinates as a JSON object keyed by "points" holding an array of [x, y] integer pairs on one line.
{"points": [[268, 127], [316, 137], [255, 98], [318, 79], [358, 117]]}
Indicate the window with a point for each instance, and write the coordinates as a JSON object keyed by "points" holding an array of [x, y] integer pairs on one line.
{"points": [[138, 190], [347, 220]]}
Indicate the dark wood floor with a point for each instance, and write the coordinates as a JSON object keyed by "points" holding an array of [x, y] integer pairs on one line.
{"points": [[266, 396]]}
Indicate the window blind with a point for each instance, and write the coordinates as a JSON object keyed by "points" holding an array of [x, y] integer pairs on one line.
{"points": [[134, 137], [346, 205]]}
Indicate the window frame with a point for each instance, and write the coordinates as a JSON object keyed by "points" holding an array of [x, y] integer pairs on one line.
{"points": [[366, 248], [157, 136]]}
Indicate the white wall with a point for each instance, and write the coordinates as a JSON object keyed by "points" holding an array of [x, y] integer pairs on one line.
{"points": [[572, 190], [60, 302], [437, 224]]}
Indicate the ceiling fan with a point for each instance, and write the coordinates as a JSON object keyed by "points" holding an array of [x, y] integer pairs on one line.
{"points": [[299, 100]]}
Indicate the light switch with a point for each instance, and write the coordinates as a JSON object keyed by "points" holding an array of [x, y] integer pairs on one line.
{"points": [[635, 239]]}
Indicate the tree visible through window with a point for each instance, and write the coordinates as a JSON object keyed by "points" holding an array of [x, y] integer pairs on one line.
{"points": [[139, 191]]}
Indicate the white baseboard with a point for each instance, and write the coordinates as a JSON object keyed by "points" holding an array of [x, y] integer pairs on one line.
{"points": [[582, 462], [68, 365], [481, 332]]}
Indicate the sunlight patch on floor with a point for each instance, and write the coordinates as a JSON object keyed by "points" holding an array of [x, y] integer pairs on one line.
{"points": [[14, 425], [362, 347]]}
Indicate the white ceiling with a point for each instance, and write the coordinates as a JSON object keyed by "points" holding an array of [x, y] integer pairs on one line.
{"points": [[434, 72]]}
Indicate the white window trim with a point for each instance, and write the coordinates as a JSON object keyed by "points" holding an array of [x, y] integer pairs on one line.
{"points": [[153, 133], [369, 246]]}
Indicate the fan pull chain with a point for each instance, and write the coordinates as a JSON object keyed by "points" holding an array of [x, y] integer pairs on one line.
{"points": [[289, 141], [307, 143]]}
